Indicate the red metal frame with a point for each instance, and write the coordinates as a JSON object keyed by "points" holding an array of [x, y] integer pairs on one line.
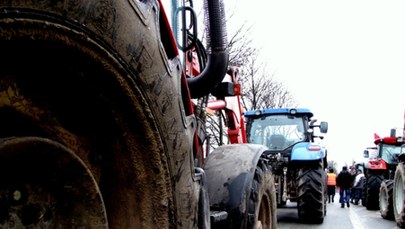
{"points": [[232, 107]]}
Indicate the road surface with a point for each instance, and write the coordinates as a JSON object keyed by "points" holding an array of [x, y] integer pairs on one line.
{"points": [[355, 217]]}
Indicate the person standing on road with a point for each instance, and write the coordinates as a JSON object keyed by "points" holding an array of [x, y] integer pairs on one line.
{"points": [[344, 182], [358, 186], [331, 185], [353, 172]]}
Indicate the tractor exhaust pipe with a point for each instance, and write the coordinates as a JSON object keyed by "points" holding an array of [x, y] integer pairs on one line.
{"points": [[393, 133], [218, 58]]}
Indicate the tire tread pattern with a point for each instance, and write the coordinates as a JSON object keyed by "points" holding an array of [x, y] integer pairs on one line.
{"points": [[373, 191], [399, 214], [311, 200], [262, 184], [387, 209]]}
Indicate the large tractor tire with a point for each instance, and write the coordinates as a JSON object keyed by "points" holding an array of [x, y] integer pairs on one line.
{"points": [[262, 200], [326, 193], [88, 85], [386, 199], [241, 184], [311, 194], [372, 184], [399, 195], [33, 169], [364, 195]]}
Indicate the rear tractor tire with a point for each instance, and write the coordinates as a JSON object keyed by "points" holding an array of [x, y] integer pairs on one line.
{"points": [[311, 194], [386, 199], [48, 186], [94, 77], [262, 201], [399, 195]]}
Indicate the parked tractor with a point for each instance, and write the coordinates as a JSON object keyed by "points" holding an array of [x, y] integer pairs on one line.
{"points": [[102, 106], [392, 189], [379, 170], [298, 162]]}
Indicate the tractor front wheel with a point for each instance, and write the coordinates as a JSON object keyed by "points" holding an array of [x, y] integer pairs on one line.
{"points": [[373, 189], [398, 195]]}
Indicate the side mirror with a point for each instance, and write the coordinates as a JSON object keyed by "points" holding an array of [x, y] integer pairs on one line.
{"points": [[323, 127], [365, 154]]}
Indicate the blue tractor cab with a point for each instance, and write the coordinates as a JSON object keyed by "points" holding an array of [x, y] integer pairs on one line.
{"points": [[297, 160], [288, 130]]}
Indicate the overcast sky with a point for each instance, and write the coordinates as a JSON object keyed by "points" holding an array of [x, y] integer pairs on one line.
{"points": [[344, 60]]}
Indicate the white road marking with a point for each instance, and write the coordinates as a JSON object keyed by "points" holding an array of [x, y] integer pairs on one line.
{"points": [[354, 218]]}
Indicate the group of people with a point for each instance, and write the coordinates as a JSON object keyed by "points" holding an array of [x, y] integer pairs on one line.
{"points": [[350, 186]]}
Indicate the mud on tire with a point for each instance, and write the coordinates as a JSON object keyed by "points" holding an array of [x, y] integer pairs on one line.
{"points": [[262, 201], [95, 77]]}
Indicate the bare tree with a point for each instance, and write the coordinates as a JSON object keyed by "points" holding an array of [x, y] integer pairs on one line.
{"points": [[215, 129], [332, 165], [260, 89], [240, 46]]}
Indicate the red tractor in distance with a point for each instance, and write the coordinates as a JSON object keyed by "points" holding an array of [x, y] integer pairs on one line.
{"points": [[379, 170], [392, 190]]}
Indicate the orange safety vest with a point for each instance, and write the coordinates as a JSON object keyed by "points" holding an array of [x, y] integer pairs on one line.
{"points": [[331, 179]]}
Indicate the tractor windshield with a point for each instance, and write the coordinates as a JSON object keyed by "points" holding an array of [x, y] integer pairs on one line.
{"points": [[277, 131], [389, 153]]}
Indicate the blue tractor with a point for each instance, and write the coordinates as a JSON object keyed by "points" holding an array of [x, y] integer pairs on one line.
{"points": [[297, 160]]}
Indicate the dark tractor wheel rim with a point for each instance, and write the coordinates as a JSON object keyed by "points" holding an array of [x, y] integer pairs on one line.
{"points": [[264, 218], [46, 185]]}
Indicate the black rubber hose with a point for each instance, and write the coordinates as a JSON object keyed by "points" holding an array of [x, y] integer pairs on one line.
{"points": [[218, 57]]}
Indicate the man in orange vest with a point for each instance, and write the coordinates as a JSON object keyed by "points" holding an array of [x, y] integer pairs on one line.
{"points": [[331, 185]]}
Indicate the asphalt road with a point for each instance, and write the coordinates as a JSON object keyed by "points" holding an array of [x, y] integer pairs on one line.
{"points": [[355, 217]]}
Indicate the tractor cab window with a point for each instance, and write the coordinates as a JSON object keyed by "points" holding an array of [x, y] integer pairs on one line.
{"points": [[389, 153], [372, 153], [277, 131]]}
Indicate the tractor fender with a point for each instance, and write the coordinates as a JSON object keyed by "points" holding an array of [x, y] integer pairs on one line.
{"points": [[230, 170], [307, 151]]}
